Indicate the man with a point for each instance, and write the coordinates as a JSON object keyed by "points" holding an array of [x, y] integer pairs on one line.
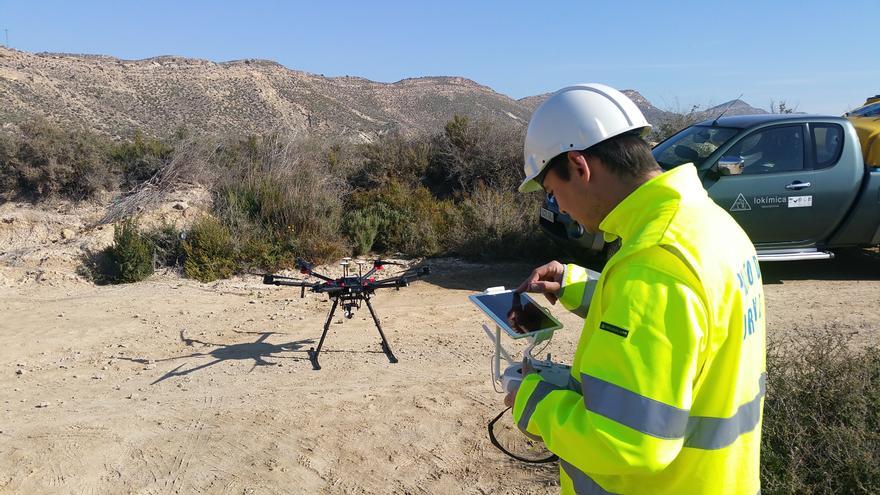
{"points": [[667, 381]]}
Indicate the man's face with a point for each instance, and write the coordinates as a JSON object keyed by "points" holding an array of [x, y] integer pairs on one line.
{"points": [[573, 196]]}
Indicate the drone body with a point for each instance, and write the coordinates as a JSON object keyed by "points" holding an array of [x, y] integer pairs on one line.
{"points": [[350, 291]]}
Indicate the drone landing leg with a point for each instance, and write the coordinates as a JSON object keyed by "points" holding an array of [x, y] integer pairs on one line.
{"points": [[385, 347], [313, 354]]}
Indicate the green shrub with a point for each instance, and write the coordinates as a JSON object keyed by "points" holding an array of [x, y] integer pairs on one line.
{"points": [[208, 251], [821, 426], [166, 242], [260, 249], [409, 219], [131, 255], [362, 226], [46, 160], [141, 158]]}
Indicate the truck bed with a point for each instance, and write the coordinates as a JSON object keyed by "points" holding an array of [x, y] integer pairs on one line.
{"points": [[863, 221]]}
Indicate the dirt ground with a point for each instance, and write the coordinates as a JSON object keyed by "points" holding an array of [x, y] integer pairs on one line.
{"points": [[173, 386]]}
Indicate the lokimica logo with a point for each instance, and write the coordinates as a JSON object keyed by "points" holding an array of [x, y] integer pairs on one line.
{"points": [[740, 204]]}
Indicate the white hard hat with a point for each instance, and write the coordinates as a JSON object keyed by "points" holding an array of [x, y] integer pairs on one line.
{"points": [[575, 118]]}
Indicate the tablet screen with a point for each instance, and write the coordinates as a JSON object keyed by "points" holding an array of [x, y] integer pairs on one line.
{"points": [[517, 312]]}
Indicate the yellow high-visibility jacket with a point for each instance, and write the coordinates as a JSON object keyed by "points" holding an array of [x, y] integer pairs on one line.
{"points": [[668, 379]]}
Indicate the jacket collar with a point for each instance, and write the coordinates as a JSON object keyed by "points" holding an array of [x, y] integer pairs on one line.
{"points": [[654, 201]]}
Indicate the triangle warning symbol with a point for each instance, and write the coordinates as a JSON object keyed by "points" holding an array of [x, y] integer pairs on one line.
{"points": [[740, 204]]}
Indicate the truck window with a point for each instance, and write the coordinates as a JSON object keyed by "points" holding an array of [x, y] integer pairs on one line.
{"points": [[776, 149], [827, 140], [692, 145]]}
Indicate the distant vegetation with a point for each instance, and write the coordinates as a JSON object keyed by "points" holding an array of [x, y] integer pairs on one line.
{"points": [[276, 198]]}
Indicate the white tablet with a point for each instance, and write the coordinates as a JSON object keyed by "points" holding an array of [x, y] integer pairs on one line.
{"points": [[518, 314]]}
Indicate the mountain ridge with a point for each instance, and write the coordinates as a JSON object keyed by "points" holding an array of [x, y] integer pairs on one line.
{"points": [[159, 94]]}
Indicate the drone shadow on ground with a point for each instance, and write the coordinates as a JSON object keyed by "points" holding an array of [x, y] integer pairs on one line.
{"points": [[259, 351]]}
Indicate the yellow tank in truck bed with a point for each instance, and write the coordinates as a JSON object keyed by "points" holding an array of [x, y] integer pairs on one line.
{"points": [[868, 129], [866, 120]]}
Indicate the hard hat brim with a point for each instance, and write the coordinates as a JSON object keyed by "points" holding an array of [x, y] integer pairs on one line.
{"points": [[530, 185]]}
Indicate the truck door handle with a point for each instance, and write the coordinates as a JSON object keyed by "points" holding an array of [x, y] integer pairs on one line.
{"points": [[797, 185]]}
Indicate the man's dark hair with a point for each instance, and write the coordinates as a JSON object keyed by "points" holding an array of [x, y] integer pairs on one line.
{"points": [[628, 156]]}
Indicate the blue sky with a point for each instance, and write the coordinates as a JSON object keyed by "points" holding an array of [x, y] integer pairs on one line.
{"points": [[818, 56]]}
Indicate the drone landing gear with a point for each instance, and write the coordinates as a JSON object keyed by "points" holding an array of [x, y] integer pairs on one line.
{"points": [[385, 347], [313, 353]]}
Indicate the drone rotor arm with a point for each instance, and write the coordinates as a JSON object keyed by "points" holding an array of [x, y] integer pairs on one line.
{"points": [[286, 281]]}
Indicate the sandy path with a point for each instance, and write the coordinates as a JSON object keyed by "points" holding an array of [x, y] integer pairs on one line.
{"points": [[171, 386]]}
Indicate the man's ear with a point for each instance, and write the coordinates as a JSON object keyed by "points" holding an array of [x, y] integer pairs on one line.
{"points": [[578, 166]]}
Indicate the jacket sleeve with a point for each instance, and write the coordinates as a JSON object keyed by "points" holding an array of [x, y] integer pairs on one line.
{"points": [[637, 363], [576, 291]]}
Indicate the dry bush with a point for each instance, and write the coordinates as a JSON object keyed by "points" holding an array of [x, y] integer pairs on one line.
{"points": [[500, 224], [45, 161], [282, 189], [821, 426], [678, 121], [140, 159], [472, 154], [392, 157], [167, 247], [192, 164]]}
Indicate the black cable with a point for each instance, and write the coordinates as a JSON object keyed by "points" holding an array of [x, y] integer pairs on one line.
{"points": [[552, 458]]}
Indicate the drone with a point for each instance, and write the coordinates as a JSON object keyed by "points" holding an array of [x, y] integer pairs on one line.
{"points": [[350, 290]]}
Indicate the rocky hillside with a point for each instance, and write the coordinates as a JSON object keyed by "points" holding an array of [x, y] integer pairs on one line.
{"points": [[161, 94]]}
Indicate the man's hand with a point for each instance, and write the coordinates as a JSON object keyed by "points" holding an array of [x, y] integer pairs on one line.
{"points": [[510, 398], [546, 279]]}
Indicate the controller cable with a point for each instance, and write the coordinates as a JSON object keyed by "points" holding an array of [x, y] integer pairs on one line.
{"points": [[552, 458]]}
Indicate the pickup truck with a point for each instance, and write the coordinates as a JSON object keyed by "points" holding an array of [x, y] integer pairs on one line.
{"points": [[797, 184]]}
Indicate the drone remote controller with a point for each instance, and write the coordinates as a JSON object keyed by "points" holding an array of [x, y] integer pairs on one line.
{"points": [[521, 318]]}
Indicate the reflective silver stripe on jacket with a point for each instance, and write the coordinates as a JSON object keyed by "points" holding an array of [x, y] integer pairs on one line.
{"points": [[661, 420], [583, 484], [589, 288], [652, 417], [716, 433], [630, 409]]}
